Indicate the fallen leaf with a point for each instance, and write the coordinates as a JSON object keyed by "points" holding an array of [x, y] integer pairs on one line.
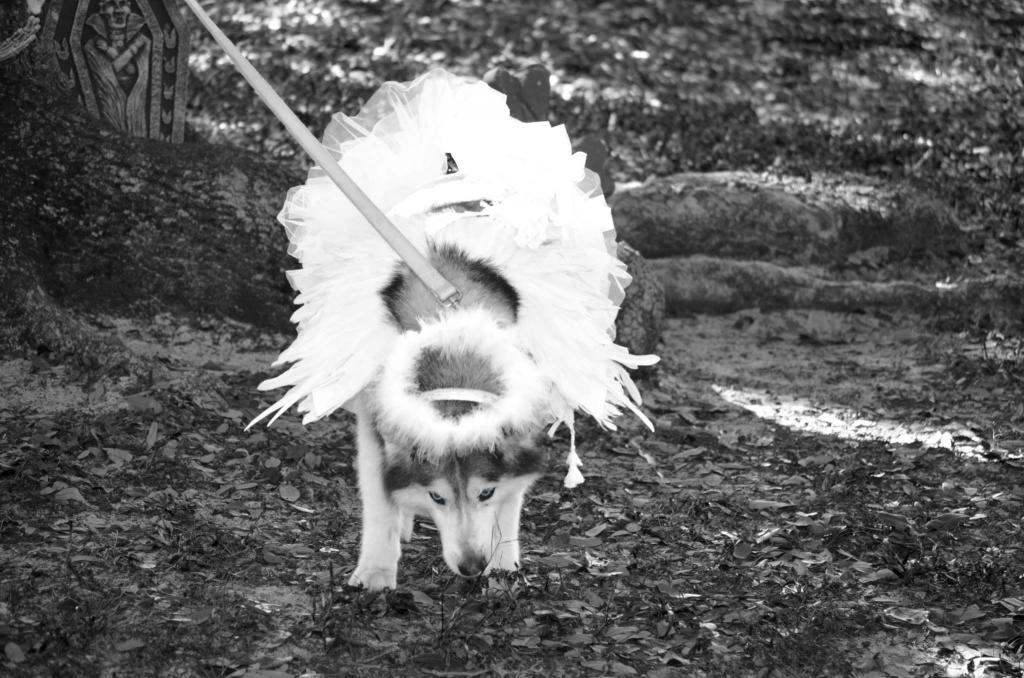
{"points": [[14, 653], [970, 613], [894, 520], [621, 669], [908, 615], [130, 644], [196, 615], [69, 494], [879, 575], [1012, 604], [596, 530], [712, 480], [151, 436], [144, 403], [53, 488], [946, 521], [621, 633], [579, 639], [691, 452], [558, 561], [288, 492], [817, 460], [432, 660], [758, 504], [117, 456], [299, 550]]}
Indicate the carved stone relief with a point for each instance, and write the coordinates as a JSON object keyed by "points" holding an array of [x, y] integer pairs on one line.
{"points": [[126, 59]]}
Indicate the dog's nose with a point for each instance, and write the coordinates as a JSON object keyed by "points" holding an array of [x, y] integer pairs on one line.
{"points": [[471, 566]]}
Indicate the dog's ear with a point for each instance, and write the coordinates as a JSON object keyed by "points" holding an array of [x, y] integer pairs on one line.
{"points": [[405, 470], [456, 367], [519, 455], [527, 460], [508, 459]]}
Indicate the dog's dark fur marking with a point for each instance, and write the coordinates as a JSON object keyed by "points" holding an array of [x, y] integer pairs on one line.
{"points": [[440, 368], [484, 273], [529, 460], [408, 301], [405, 473], [392, 292], [451, 368]]}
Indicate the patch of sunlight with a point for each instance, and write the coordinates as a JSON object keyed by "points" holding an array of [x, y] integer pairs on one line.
{"points": [[803, 415], [590, 91], [27, 388], [291, 14], [907, 11], [847, 74], [274, 599], [915, 72], [302, 66]]}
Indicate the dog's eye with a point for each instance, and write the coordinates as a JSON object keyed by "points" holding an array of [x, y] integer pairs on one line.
{"points": [[438, 499], [486, 494]]}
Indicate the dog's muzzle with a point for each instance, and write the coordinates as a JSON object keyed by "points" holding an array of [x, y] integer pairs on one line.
{"points": [[460, 383]]}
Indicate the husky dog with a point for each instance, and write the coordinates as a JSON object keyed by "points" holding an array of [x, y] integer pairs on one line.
{"points": [[449, 400], [474, 490]]}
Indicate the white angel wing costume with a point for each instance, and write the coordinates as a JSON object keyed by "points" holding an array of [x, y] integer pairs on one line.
{"points": [[543, 223]]}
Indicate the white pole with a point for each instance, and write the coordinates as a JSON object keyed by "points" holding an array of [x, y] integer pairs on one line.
{"points": [[446, 293]]}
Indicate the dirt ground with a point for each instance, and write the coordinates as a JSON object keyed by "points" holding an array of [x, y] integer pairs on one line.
{"points": [[824, 495]]}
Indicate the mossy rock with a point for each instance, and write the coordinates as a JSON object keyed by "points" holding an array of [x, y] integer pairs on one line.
{"points": [[642, 315]]}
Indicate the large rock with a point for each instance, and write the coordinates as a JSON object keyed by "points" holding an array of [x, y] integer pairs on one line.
{"points": [[642, 314]]}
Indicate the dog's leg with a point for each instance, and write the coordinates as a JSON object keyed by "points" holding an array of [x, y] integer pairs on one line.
{"points": [[505, 540], [380, 547], [408, 522]]}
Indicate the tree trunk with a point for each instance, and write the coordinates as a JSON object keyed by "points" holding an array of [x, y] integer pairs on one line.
{"points": [[98, 221], [106, 221]]}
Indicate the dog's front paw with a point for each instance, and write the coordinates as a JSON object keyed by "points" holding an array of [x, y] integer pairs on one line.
{"points": [[374, 578], [407, 522]]}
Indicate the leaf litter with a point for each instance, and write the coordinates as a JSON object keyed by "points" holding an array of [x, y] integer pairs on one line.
{"points": [[724, 544]]}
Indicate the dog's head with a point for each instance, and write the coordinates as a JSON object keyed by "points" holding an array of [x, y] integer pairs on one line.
{"points": [[474, 500]]}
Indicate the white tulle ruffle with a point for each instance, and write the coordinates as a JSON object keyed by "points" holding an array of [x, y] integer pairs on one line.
{"points": [[548, 230]]}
